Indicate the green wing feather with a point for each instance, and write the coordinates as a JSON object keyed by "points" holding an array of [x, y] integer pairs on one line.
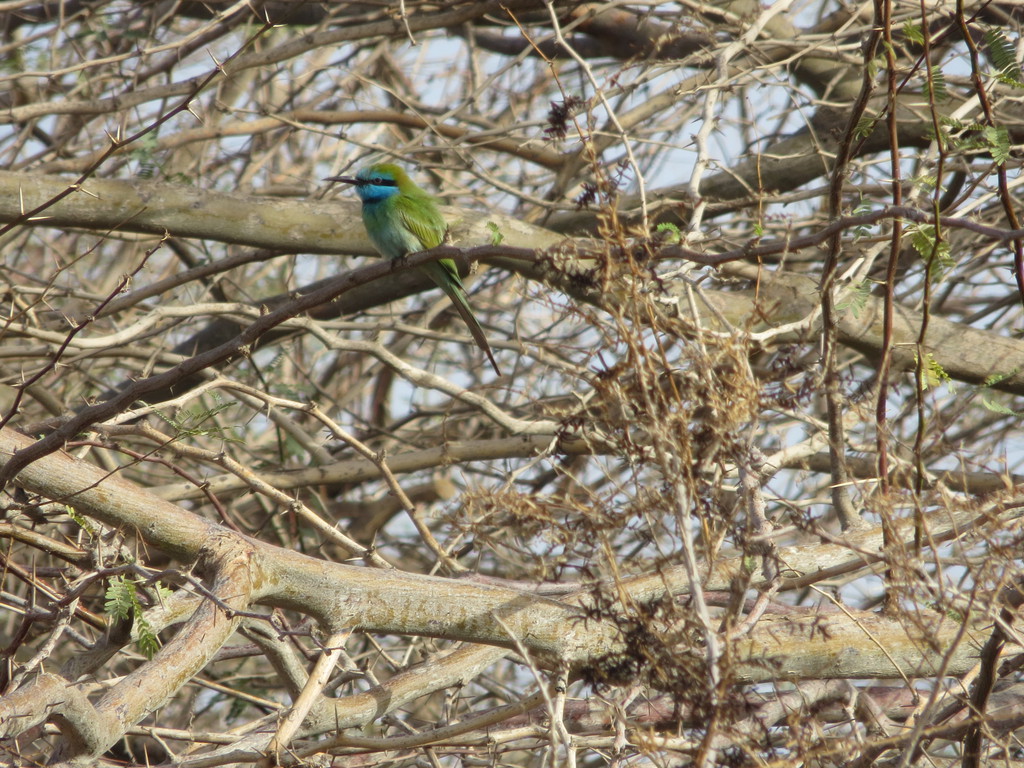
{"points": [[421, 218]]}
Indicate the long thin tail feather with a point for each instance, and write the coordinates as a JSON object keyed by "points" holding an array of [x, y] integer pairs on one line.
{"points": [[445, 274]]}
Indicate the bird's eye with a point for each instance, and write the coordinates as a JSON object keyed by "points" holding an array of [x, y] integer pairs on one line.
{"points": [[378, 180]]}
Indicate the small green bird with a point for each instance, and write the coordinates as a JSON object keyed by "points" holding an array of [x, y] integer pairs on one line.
{"points": [[400, 219]]}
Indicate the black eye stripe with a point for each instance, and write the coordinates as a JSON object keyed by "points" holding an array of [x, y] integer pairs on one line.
{"points": [[377, 182]]}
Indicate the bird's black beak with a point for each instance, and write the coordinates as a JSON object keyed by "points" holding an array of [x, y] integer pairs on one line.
{"points": [[345, 179]]}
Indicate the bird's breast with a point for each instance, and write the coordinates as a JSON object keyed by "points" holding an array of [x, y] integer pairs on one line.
{"points": [[387, 233]]}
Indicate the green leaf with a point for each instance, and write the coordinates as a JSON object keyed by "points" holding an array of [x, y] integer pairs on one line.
{"points": [[496, 236], [991, 404], [934, 374], [999, 408], [998, 140], [854, 298], [864, 206], [913, 32], [865, 126], [120, 598], [82, 522], [143, 152], [122, 602], [190, 422], [148, 643], [162, 592], [994, 139], [939, 90], [936, 253], [1004, 57], [924, 184], [996, 378], [862, 230]]}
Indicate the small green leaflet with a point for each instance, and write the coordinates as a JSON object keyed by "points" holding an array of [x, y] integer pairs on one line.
{"points": [[933, 374], [991, 404], [854, 298], [122, 602]]}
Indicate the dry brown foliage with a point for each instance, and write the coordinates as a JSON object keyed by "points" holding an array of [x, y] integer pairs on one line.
{"points": [[747, 491]]}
